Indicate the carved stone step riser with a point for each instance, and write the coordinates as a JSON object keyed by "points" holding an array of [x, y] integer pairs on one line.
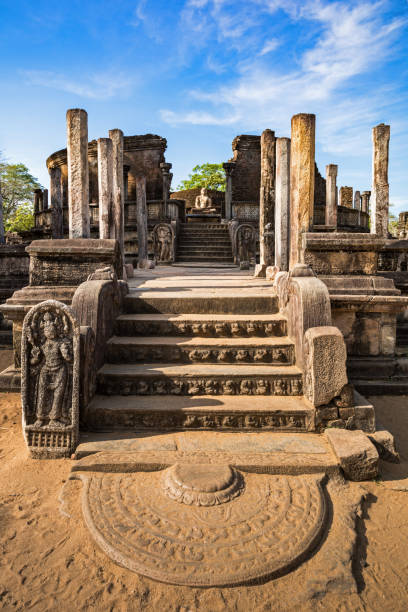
{"points": [[205, 259], [222, 305], [189, 420], [203, 385], [118, 353], [220, 329]]}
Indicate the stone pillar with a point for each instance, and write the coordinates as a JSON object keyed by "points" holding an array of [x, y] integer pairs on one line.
{"points": [[229, 170], [282, 220], [267, 202], [78, 173], [57, 221], [380, 189], [141, 216], [165, 168], [302, 169], [37, 200], [365, 201], [331, 195], [118, 189], [346, 197], [357, 200], [45, 199], [106, 226], [2, 236]]}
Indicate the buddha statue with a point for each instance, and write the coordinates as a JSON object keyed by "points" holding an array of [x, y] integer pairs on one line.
{"points": [[203, 203]]}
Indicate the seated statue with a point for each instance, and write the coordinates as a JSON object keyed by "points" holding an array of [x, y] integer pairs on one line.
{"points": [[203, 203]]}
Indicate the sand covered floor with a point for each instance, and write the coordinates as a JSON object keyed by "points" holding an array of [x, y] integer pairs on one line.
{"points": [[49, 561]]}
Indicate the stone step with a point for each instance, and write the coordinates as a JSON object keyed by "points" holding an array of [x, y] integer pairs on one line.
{"points": [[207, 251], [195, 379], [144, 302], [209, 248], [205, 242], [128, 349], [222, 412], [214, 325], [204, 259]]}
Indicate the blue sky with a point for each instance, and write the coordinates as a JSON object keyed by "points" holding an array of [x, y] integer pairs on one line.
{"points": [[199, 72]]}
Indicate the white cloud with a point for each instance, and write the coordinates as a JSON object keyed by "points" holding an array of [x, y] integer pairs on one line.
{"points": [[349, 41], [270, 45], [99, 86], [196, 118]]}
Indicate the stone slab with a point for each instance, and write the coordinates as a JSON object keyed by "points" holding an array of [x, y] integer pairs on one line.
{"points": [[357, 455]]}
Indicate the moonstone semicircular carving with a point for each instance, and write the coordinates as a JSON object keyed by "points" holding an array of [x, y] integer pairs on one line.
{"points": [[268, 529]]}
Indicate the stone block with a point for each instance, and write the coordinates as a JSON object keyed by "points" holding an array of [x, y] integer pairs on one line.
{"points": [[129, 270], [357, 455], [324, 364], [383, 441], [70, 262], [260, 270]]}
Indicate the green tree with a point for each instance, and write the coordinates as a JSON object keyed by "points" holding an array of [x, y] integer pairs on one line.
{"points": [[392, 223], [17, 190], [211, 176], [21, 220]]}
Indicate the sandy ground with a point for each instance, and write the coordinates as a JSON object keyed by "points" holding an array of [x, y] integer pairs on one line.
{"points": [[49, 562]]}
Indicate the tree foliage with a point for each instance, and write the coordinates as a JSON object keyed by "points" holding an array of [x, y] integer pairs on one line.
{"points": [[17, 190], [21, 220], [211, 176]]}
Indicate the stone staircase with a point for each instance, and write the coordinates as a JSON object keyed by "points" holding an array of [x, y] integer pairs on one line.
{"points": [[196, 362], [204, 242]]}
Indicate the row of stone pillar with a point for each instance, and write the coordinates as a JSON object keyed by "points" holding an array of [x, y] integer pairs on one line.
{"points": [[110, 180], [287, 191]]}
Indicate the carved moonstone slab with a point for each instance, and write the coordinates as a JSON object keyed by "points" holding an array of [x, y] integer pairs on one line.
{"points": [[272, 526], [50, 360], [202, 484]]}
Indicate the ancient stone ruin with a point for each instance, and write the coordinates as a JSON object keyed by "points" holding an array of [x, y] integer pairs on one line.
{"points": [[222, 396]]}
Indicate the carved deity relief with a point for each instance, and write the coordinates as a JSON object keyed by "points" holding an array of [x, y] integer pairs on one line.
{"points": [[50, 379], [245, 243], [163, 243]]}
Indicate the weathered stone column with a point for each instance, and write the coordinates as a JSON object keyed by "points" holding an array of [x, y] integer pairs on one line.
{"points": [[302, 169], [346, 197], [56, 203], [45, 199], [331, 194], [78, 173], [105, 171], [365, 201], [380, 189], [118, 189], [267, 202], [282, 219], [357, 200], [37, 200], [2, 235], [141, 217], [165, 168], [229, 170]]}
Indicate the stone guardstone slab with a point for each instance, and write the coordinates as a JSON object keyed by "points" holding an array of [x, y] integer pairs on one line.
{"points": [[50, 385], [357, 454], [205, 525]]}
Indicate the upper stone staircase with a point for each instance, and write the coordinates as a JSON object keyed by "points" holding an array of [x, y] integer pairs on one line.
{"points": [[184, 360], [204, 242]]}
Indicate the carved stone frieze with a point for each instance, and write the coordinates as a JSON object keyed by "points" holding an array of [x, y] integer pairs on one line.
{"points": [[121, 353], [217, 385], [50, 387], [268, 421], [225, 329]]}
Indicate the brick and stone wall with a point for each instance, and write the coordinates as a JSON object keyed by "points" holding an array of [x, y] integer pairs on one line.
{"points": [[246, 180]]}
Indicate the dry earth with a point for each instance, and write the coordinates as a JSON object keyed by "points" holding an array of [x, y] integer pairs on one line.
{"points": [[49, 562]]}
